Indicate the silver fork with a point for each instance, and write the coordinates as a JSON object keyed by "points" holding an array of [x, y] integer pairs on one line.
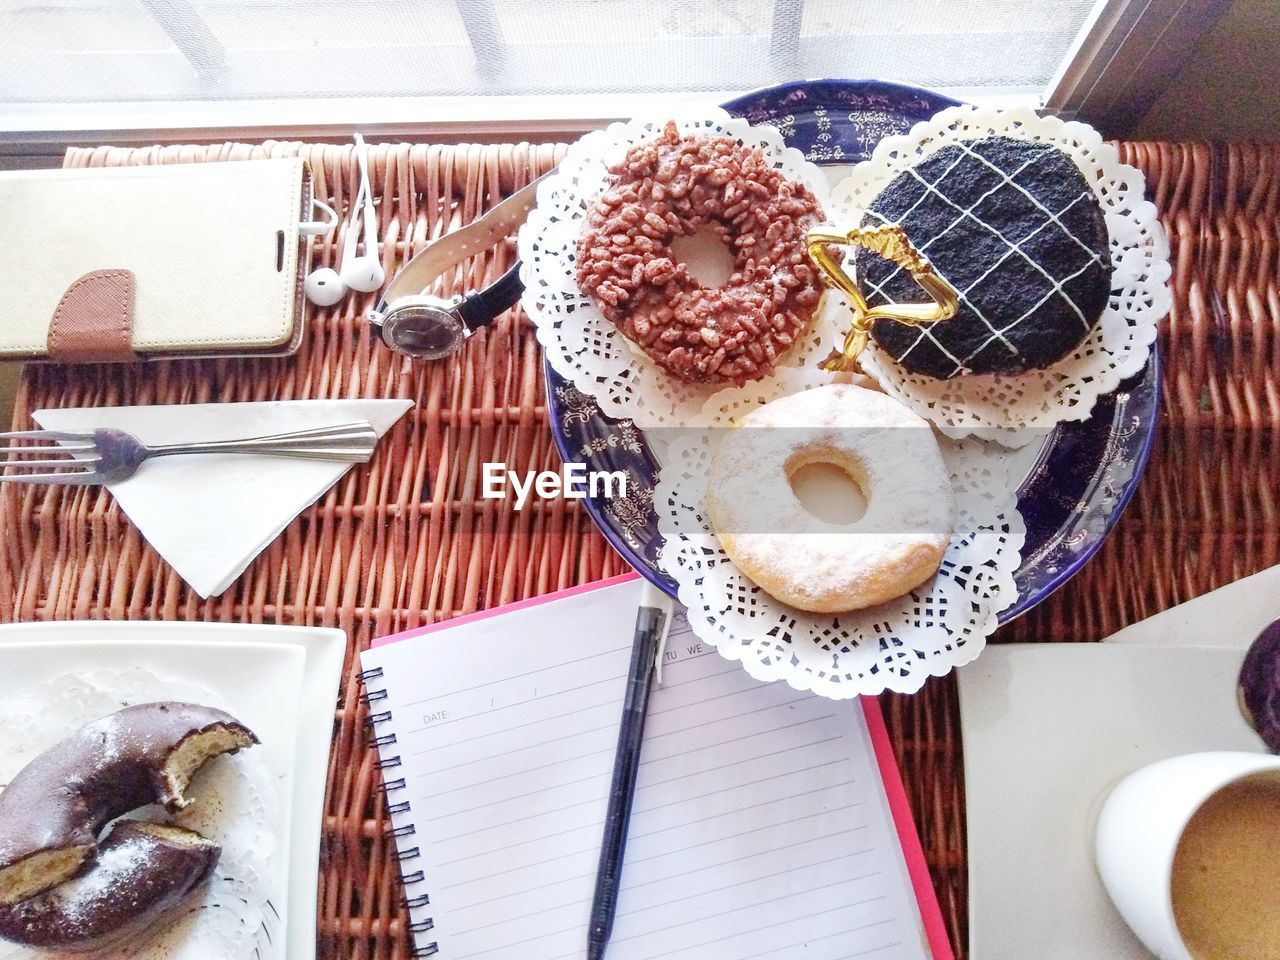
{"points": [[108, 456]]}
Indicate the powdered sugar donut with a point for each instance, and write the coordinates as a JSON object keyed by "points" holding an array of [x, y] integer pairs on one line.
{"points": [[803, 560]]}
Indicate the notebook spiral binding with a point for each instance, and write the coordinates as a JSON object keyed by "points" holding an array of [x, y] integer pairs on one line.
{"points": [[414, 900]]}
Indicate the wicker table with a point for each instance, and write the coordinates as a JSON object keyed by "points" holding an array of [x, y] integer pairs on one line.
{"points": [[407, 540]]}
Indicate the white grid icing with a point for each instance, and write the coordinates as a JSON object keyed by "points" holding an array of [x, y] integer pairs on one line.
{"points": [[1013, 247], [1017, 408]]}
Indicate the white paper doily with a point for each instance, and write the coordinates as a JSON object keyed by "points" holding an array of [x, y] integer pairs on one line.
{"points": [[1016, 409], [232, 916], [894, 646], [585, 348]]}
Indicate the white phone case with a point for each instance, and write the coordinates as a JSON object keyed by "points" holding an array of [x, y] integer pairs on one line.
{"points": [[210, 252]]}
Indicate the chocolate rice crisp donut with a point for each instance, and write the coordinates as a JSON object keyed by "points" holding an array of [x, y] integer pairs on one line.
{"points": [[673, 187]]}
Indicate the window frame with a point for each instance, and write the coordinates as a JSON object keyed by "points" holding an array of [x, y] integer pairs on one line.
{"points": [[1126, 55], [1126, 52]]}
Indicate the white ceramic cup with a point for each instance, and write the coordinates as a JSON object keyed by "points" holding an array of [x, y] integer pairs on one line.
{"points": [[1139, 827]]}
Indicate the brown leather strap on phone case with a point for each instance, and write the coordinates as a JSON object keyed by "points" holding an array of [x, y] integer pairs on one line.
{"points": [[93, 322]]}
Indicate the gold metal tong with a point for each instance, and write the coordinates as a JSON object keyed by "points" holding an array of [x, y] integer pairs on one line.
{"points": [[889, 241]]}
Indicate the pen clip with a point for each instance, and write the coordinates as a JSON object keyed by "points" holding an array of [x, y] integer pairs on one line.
{"points": [[652, 597]]}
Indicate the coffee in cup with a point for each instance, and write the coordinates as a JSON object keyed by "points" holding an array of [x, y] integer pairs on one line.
{"points": [[1225, 883], [1187, 849]]}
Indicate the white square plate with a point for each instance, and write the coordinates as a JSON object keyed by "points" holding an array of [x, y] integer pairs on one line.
{"points": [[1048, 730], [1231, 616], [280, 681]]}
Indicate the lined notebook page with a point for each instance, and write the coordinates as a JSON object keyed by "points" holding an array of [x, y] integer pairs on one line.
{"points": [[760, 827]]}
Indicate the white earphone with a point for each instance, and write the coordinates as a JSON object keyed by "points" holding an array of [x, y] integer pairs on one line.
{"points": [[326, 286], [318, 228], [364, 273]]}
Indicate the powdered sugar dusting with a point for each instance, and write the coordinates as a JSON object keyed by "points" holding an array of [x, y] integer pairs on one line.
{"points": [[803, 559], [112, 738], [115, 867]]}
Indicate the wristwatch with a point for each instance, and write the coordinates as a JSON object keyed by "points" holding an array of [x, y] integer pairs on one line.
{"points": [[428, 327]]}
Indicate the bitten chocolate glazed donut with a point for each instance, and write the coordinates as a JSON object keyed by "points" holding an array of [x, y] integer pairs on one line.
{"points": [[54, 809], [673, 187]]}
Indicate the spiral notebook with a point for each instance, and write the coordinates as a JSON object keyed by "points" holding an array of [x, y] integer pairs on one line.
{"points": [[768, 823]]}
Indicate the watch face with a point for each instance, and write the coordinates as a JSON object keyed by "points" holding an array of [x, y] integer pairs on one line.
{"points": [[423, 331]]}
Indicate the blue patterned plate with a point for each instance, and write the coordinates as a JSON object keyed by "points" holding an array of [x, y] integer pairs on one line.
{"points": [[1084, 475]]}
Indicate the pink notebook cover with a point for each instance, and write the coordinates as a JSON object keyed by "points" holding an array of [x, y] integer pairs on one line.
{"points": [[917, 866]]}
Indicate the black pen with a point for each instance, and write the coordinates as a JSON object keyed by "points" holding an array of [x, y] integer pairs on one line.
{"points": [[652, 622]]}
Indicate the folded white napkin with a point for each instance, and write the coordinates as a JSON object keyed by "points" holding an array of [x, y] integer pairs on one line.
{"points": [[209, 515]]}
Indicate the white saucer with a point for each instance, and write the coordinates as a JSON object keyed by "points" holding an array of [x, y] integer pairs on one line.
{"points": [[282, 682]]}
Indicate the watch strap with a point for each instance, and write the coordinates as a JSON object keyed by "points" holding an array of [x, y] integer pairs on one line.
{"points": [[480, 309], [448, 251]]}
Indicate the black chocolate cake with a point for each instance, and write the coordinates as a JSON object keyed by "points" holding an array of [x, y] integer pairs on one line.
{"points": [[1016, 229]]}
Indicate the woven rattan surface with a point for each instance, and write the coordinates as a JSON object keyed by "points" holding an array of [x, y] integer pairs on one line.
{"points": [[407, 540]]}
